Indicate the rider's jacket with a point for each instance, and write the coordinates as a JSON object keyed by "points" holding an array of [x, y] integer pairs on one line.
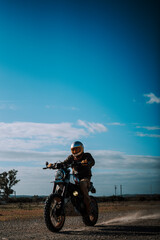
{"points": [[79, 169]]}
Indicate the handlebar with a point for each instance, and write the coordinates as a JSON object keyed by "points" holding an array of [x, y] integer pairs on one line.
{"points": [[55, 165]]}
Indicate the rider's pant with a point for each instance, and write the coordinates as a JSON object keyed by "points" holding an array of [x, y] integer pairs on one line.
{"points": [[84, 185]]}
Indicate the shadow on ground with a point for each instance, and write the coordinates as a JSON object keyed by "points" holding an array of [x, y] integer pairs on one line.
{"points": [[117, 230]]}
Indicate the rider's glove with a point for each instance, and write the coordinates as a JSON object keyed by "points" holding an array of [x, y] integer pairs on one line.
{"points": [[50, 165], [84, 162]]}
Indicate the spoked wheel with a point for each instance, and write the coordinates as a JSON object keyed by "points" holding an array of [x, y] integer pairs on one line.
{"points": [[53, 214], [91, 219]]}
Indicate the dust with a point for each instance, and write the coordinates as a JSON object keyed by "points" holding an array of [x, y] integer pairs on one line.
{"points": [[132, 218]]}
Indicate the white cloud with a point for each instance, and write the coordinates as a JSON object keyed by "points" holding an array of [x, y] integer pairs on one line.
{"points": [[149, 127], [116, 124], [139, 134], [30, 136], [92, 127], [153, 98]]}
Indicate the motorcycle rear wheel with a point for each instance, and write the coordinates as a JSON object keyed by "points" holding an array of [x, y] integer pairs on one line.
{"points": [[53, 216], [91, 220]]}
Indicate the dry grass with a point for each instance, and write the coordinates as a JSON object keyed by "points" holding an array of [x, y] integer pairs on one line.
{"points": [[20, 211], [123, 206], [32, 210]]}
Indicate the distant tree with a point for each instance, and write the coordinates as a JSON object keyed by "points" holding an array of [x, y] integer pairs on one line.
{"points": [[7, 181]]}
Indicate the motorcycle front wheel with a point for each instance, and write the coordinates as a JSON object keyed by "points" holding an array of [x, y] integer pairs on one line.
{"points": [[53, 215], [91, 219]]}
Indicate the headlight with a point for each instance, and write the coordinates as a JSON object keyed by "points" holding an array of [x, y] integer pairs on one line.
{"points": [[60, 174], [75, 193]]}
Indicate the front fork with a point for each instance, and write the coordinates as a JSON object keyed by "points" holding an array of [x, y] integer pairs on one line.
{"points": [[60, 188]]}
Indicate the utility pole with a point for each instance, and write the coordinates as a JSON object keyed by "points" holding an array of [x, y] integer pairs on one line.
{"points": [[115, 189], [121, 190]]}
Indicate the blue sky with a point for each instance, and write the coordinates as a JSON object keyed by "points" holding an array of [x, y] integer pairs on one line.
{"points": [[86, 70]]}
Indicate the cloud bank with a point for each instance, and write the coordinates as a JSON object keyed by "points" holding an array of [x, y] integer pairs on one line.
{"points": [[135, 172], [105, 159], [22, 147]]}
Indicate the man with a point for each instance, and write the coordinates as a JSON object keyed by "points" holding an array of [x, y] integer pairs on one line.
{"points": [[81, 164]]}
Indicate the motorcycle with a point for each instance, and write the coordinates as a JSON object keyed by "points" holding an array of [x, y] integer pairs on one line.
{"points": [[67, 188]]}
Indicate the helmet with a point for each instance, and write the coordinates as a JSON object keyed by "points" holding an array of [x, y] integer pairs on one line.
{"points": [[77, 148]]}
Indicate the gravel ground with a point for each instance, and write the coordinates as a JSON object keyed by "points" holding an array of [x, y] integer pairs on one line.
{"points": [[118, 225]]}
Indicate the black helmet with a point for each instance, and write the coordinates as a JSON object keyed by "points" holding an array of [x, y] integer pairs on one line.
{"points": [[77, 148]]}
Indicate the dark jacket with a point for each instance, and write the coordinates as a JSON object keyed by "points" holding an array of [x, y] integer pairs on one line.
{"points": [[79, 169]]}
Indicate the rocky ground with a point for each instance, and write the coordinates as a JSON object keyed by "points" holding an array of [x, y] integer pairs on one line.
{"points": [[127, 224]]}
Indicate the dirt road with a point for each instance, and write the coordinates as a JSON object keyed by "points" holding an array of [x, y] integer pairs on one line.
{"points": [[120, 225]]}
